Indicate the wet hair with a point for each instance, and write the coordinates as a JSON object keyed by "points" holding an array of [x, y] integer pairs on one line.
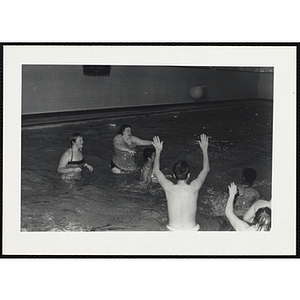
{"points": [[181, 169], [249, 175], [148, 153], [262, 219], [74, 136], [122, 128]]}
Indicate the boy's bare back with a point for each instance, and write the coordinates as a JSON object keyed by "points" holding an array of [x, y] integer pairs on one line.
{"points": [[182, 205], [182, 197]]}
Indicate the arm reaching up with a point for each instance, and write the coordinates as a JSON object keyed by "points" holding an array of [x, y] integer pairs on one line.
{"points": [[236, 223], [203, 143], [158, 145]]}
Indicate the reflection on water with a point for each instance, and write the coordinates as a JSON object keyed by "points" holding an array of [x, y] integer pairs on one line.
{"points": [[240, 137]]}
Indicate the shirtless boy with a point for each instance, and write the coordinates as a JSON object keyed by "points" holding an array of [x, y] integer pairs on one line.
{"points": [[147, 170], [251, 212], [245, 192], [182, 197], [259, 215]]}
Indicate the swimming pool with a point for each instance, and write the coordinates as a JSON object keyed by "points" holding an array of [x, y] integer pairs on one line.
{"points": [[240, 137]]}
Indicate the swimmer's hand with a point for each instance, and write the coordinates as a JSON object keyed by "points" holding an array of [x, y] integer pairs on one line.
{"points": [[204, 142], [232, 189], [77, 170], [132, 152], [158, 145], [89, 167]]}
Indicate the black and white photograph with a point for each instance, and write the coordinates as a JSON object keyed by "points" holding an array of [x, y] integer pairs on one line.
{"points": [[150, 150], [88, 155]]}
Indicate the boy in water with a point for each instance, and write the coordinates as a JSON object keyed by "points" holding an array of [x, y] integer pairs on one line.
{"points": [[246, 194], [182, 197], [260, 219], [250, 213], [147, 170]]}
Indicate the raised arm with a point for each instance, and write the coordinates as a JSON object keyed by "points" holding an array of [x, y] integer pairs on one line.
{"points": [[203, 143], [236, 223], [163, 181]]}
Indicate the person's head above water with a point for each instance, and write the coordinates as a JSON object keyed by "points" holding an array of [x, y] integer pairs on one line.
{"points": [[181, 170], [249, 176], [262, 219], [122, 128], [148, 153], [74, 136]]}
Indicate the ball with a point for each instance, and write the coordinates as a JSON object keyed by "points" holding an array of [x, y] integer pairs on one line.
{"points": [[196, 92]]}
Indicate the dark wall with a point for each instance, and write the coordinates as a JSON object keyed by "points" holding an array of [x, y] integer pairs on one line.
{"points": [[55, 88], [265, 86]]}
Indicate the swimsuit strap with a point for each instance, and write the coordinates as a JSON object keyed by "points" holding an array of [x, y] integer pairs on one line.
{"points": [[71, 154], [79, 162]]}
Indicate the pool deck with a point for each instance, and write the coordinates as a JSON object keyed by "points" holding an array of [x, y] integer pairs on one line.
{"points": [[86, 115]]}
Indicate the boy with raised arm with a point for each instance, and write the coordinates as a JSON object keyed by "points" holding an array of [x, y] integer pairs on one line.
{"points": [[261, 217], [182, 197]]}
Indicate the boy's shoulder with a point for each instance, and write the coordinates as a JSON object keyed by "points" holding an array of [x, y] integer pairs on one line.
{"points": [[183, 186]]}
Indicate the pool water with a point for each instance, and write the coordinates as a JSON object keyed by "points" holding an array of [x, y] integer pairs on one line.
{"points": [[240, 137]]}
